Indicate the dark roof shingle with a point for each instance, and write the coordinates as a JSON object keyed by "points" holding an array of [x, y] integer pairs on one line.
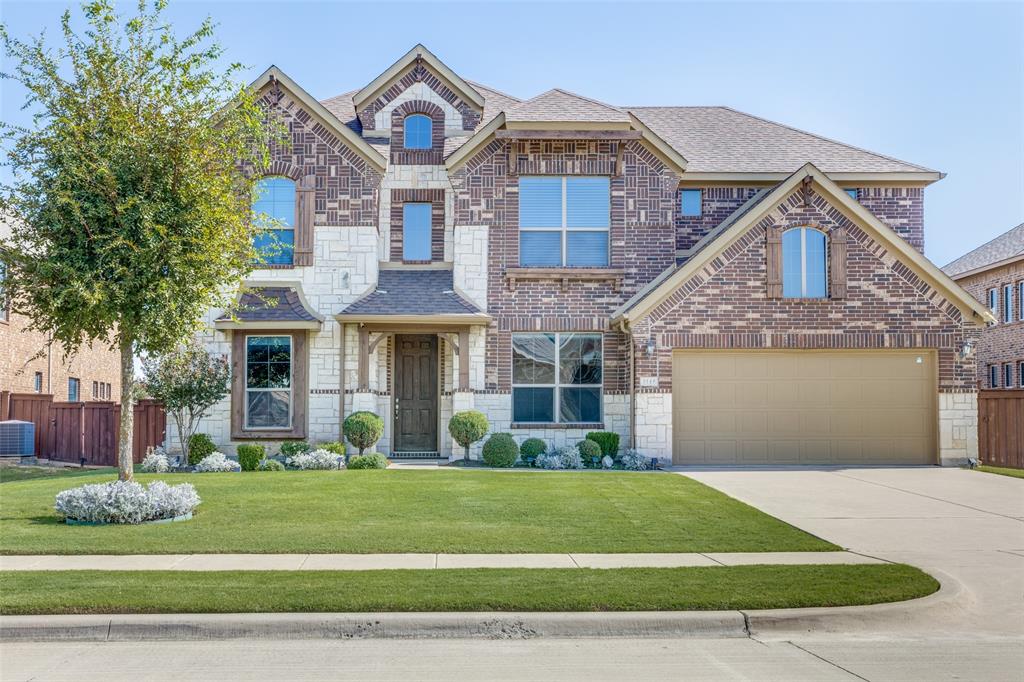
{"points": [[270, 304], [413, 292]]}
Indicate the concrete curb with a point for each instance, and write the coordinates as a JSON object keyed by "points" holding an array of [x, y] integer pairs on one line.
{"points": [[950, 599]]}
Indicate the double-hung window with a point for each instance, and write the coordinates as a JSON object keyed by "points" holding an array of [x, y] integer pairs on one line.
{"points": [[993, 376], [37, 382], [73, 390], [268, 382], [275, 215], [564, 221], [993, 301], [804, 263], [416, 232], [1020, 300], [557, 378], [1020, 374], [1007, 375], [1008, 303]]}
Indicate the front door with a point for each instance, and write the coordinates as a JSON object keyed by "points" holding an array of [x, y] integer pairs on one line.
{"points": [[415, 393]]}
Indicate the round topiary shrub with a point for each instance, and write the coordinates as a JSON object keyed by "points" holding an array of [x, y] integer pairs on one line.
{"points": [[363, 430], [290, 448], [590, 452], [532, 447], [249, 456], [270, 465], [200, 446], [500, 450], [467, 428], [371, 460]]}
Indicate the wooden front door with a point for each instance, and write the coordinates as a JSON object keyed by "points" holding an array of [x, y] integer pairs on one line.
{"points": [[415, 393]]}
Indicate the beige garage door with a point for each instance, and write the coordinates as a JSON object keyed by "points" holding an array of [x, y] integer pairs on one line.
{"points": [[803, 407]]}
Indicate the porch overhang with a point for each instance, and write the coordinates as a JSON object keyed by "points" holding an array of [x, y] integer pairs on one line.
{"points": [[424, 323]]}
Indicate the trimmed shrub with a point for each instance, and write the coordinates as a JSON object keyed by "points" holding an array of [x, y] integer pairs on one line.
{"points": [[250, 455], [590, 451], [334, 446], [126, 502], [155, 461], [216, 463], [634, 461], [317, 460], [532, 447], [269, 465], [371, 460], [294, 447], [607, 440], [468, 427], [500, 450], [363, 430], [200, 446]]}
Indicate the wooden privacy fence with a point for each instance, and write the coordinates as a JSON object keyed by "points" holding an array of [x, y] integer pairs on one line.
{"points": [[69, 432], [1001, 428]]}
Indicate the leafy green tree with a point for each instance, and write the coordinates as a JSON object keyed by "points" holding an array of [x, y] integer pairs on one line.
{"points": [[188, 381], [131, 192]]}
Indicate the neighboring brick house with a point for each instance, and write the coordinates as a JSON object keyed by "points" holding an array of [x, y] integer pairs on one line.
{"points": [[714, 287], [994, 274], [31, 363]]}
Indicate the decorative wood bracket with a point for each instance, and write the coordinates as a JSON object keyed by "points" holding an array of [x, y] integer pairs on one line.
{"points": [[805, 189]]}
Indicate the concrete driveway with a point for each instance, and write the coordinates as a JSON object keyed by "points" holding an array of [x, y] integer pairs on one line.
{"points": [[966, 524]]}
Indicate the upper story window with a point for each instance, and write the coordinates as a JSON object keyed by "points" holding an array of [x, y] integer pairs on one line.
{"points": [[1020, 299], [73, 390], [419, 131], [804, 271], [691, 201], [275, 210], [1008, 303], [3, 293], [564, 221], [993, 376], [416, 232], [1007, 375], [993, 301], [557, 378], [1020, 374], [268, 382]]}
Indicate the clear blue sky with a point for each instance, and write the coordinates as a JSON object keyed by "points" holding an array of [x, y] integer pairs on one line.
{"points": [[938, 84]]}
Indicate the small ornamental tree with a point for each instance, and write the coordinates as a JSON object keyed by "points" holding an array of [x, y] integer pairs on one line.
{"points": [[363, 429], [467, 428], [188, 381], [130, 196]]}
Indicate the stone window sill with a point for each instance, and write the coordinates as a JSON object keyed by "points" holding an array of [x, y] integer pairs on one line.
{"points": [[591, 426], [565, 275]]}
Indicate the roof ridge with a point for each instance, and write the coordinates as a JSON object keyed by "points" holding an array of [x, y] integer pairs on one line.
{"points": [[587, 99], [982, 246], [829, 139]]}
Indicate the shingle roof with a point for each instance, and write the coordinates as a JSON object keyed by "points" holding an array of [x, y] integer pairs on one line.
{"points": [[561, 105], [270, 304], [1005, 246], [723, 140], [413, 292]]}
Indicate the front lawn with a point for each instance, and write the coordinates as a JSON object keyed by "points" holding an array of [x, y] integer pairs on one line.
{"points": [[17, 472], [388, 511], [1002, 471], [623, 589]]}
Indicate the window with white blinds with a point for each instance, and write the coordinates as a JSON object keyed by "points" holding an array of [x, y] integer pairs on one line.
{"points": [[564, 220]]}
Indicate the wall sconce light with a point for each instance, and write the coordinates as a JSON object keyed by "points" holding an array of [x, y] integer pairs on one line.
{"points": [[651, 346], [966, 350]]}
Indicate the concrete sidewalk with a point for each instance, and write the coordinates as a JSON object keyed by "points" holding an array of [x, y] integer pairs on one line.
{"points": [[366, 562]]}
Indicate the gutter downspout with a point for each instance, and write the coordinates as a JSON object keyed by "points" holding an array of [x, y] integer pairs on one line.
{"points": [[632, 386]]}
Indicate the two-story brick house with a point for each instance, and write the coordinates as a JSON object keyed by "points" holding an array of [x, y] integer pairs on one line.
{"points": [[712, 286], [994, 274]]}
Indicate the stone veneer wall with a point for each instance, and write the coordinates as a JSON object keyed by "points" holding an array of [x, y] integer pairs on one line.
{"points": [[1003, 342]]}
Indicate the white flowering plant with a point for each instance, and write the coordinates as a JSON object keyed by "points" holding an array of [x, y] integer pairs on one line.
{"points": [[155, 462], [607, 462], [634, 461], [317, 459], [216, 462], [126, 502], [570, 456]]}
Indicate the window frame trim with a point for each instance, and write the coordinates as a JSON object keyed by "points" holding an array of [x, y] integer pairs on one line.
{"points": [[430, 230], [405, 131], [803, 263], [556, 411], [1008, 375], [564, 230], [246, 389], [300, 386], [700, 202], [293, 228], [1007, 303]]}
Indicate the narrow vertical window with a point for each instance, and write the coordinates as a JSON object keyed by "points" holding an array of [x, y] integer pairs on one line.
{"points": [[691, 202], [268, 382], [1008, 303], [1020, 300], [3, 294], [993, 301], [993, 376], [1007, 375], [804, 260], [418, 131], [95, 390], [73, 386], [37, 382], [1020, 374], [274, 211], [416, 232]]}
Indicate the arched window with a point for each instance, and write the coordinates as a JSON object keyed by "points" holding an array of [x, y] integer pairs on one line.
{"points": [[418, 131], [274, 210], [804, 258]]}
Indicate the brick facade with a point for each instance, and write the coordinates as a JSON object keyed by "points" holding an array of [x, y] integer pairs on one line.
{"points": [[421, 157], [1002, 343], [418, 73], [434, 197]]}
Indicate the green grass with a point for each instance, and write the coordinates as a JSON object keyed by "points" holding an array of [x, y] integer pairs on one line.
{"points": [[1002, 471], [624, 589], [414, 511], [10, 472]]}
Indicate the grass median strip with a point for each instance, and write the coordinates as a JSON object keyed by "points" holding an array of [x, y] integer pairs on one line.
{"points": [[626, 589], [395, 511], [1002, 471]]}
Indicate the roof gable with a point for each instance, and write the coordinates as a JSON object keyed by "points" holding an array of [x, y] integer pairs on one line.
{"points": [[418, 54], [1005, 248], [747, 216], [562, 106]]}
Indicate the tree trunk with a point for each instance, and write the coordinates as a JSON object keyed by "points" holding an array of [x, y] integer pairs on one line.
{"points": [[125, 466]]}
